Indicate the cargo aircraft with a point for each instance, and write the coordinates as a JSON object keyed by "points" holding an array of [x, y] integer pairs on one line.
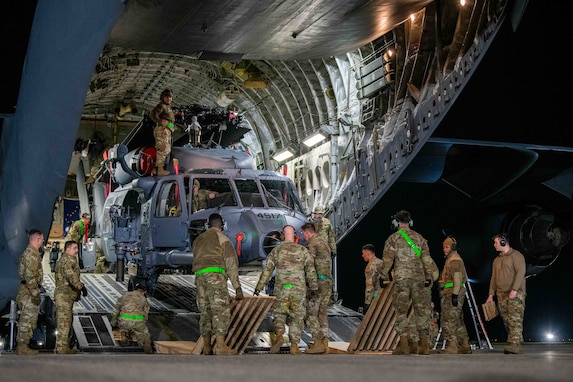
{"points": [[371, 82]]}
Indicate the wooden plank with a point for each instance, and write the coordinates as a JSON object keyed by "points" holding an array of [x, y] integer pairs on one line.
{"points": [[246, 317], [174, 347]]}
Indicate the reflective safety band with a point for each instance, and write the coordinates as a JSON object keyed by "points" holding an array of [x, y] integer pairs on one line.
{"points": [[131, 317], [451, 285], [288, 286], [210, 270], [324, 277]]}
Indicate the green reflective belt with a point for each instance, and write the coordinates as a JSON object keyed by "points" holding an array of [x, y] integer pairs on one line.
{"points": [[210, 270], [451, 285], [410, 242], [170, 124], [324, 277], [130, 317], [288, 286]]}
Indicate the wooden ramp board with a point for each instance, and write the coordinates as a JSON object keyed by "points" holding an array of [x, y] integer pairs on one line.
{"points": [[376, 334], [246, 317], [336, 347], [174, 347]]}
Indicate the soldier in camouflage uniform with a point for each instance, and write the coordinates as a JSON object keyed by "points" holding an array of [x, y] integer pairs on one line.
{"points": [[372, 275], [77, 233], [201, 197], [68, 289], [215, 261], [164, 118], [295, 274], [130, 316], [31, 276], [408, 252], [317, 302], [453, 292], [324, 229], [508, 284]]}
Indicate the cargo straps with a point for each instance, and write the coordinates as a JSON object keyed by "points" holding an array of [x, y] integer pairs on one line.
{"points": [[451, 285], [210, 270], [132, 317], [410, 242]]}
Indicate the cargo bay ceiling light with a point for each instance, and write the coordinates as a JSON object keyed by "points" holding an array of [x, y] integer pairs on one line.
{"points": [[314, 138], [283, 154]]}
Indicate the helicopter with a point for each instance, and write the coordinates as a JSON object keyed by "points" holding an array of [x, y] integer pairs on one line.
{"points": [[149, 222]]}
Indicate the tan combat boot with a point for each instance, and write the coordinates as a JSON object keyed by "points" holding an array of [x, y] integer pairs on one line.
{"points": [[451, 347], [221, 347], [294, 350], [513, 348], [413, 345], [159, 171], [316, 348], [424, 348], [207, 345], [66, 350], [277, 343], [403, 348], [325, 343], [464, 347], [147, 346], [23, 349]]}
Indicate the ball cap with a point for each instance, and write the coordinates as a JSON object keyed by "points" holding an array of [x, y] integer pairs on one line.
{"points": [[318, 210]]}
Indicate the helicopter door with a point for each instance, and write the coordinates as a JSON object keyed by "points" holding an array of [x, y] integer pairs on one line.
{"points": [[170, 216]]}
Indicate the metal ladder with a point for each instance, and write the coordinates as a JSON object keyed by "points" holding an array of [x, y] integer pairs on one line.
{"points": [[479, 328]]}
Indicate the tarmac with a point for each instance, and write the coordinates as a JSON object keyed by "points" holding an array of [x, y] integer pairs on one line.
{"points": [[539, 362]]}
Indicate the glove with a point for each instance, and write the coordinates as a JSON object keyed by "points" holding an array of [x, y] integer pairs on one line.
{"points": [[427, 283], [84, 291], [365, 308], [382, 283], [239, 294], [36, 299], [454, 300], [256, 292]]}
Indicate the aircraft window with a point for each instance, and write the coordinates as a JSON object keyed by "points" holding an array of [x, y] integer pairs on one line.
{"points": [[249, 193], [280, 193], [212, 193], [169, 200]]}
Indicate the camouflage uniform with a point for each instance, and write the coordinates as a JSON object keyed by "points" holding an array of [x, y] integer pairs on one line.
{"points": [[68, 288], [317, 308], [410, 273], [201, 200], [77, 232], [372, 274], [130, 315], [453, 326], [31, 275], [162, 133], [508, 273], [295, 271], [214, 254], [324, 231]]}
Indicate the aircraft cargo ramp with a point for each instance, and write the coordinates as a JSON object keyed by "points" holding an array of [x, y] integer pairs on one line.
{"points": [[174, 316]]}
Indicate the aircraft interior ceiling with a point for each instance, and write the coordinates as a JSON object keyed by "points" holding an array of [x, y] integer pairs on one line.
{"points": [[286, 87]]}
